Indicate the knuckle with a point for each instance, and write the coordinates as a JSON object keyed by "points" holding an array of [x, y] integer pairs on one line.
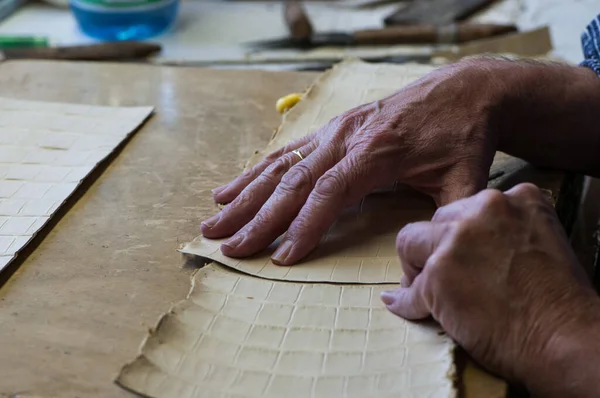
{"points": [[437, 275], [437, 271], [332, 152], [244, 198], [250, 174], [348, 122], [261, 219], [330, 184], [297, 179], [278, 168], [302, 228], [493, 200], [271, 157], [462, 232], [527, 191], [439, 214], [435, 264], [404, 236]]}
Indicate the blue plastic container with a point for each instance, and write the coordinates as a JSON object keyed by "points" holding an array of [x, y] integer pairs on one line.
{"points": [[124, 19]]}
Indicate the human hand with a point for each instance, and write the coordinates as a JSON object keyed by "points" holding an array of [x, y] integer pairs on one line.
{"points": [[433, 135], [496, 271]]}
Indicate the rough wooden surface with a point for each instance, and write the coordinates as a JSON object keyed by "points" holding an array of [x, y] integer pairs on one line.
{"points": [[78, 307]]}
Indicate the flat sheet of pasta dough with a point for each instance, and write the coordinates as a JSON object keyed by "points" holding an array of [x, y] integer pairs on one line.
{"points": [[246, 337], [46, 150]]}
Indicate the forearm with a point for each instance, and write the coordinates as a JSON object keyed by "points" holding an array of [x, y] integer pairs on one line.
{"points": [[549, 115]]}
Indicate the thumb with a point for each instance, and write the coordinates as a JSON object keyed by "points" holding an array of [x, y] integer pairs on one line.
{"points": [[407, 302]]}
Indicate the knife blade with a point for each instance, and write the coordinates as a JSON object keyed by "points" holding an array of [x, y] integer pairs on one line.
{"points": [[123, 50], [417, 34]]}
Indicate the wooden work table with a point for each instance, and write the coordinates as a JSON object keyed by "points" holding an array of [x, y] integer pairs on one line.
{"points": [[76, 309]]}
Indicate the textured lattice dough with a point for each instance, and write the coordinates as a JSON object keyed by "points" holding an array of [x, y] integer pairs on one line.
{"points": [[46, 150], [239, 336]]}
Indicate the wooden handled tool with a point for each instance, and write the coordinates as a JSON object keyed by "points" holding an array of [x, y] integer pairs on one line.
{"points": [[419, 34], [429, 34], [125, 50], [297, 20]]}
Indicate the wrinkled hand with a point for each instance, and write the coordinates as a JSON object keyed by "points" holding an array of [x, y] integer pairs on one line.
{"points": [[496, 271], [432, 135]]}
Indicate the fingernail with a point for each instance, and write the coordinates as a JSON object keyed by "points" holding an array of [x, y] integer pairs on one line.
{"points": [[218, 190], [282, 252], [234, 241], [388, 298], [209, 223]]}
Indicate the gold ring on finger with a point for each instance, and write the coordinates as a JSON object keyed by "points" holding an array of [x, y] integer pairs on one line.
{"points": [[297, 152]]}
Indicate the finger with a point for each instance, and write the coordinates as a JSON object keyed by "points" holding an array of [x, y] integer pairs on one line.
{"points": [[245, 206], [454, 211], [529, 193], [281, 208], [415, 243], [408, 303], [464, 208], [228, 192], [351, 179]]}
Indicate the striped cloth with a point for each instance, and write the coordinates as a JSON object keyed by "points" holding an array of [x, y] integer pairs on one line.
{"points": [[590, 40]]}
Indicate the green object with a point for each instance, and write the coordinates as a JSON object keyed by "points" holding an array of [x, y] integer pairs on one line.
{"points": [[23, 42]]}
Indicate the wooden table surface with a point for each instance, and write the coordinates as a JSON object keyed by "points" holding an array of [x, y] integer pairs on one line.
{"points": [[77, 308]]}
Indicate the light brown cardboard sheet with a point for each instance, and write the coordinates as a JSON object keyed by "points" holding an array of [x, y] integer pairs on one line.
{"points": [[46, 150], [241, 336]]}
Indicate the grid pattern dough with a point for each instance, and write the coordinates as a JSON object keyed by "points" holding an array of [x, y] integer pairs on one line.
{"points": [[238, 336], [46, 150]]}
